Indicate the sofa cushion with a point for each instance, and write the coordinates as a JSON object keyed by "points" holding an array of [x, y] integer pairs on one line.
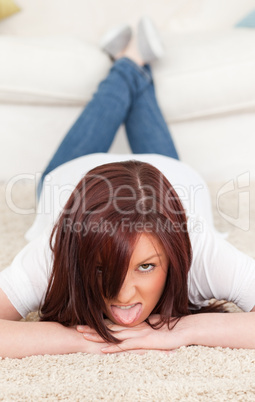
{"points": [[49, 70], [201, 75], [206, 74]]}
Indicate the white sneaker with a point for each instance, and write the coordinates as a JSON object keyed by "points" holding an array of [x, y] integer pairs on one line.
{"points": [[148, 40], [115, 40]]}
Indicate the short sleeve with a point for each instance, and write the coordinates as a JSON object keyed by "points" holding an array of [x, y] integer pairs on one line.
{"points": [[218, 269], [25, 281]]}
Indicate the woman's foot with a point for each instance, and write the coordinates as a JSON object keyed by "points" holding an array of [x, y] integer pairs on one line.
{"points": [[146, 46], [115, 40], [131, 52], [149, 40]]}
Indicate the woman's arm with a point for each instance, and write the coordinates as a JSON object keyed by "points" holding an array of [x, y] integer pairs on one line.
{"points": [[25, 282], [21, 339], [219, 270], [233, 330]]}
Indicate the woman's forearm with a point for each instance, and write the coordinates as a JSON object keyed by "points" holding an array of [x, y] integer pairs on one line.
{"points": [[20, 339], [233, 330]]}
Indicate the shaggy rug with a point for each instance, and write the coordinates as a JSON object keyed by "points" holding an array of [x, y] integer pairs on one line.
{"points": [[193, 373]]}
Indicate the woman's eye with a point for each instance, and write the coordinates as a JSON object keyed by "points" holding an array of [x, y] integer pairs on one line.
{"points": [[146, 267]]}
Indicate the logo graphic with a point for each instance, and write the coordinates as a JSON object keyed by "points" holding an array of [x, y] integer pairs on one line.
{"points": [[240, 190]]}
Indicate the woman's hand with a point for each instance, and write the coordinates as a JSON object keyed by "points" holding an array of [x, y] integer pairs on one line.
{"points": [[88, 345], [141, 337], [233, 330], [93, 347]]}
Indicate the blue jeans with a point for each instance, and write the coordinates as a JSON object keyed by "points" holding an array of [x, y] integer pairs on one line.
{"points": [[126, 95]]}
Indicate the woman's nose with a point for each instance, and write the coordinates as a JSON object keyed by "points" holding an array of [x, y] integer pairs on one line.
{"points": [[127, 292]]}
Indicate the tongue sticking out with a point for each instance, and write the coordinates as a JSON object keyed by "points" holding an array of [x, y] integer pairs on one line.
{"points": [[127, 316]]}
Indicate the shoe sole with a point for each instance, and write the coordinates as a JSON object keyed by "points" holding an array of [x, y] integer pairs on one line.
{"points": [[149, 41], [116, 39]]}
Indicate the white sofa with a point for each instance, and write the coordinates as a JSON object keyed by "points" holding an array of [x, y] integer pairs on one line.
{"points": [[50, 66]]}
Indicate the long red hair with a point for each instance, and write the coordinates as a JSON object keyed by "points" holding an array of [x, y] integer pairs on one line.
{"points": [[100, 222]]}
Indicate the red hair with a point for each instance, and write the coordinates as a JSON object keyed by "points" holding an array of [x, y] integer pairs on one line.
{"points": [[110, 207]]}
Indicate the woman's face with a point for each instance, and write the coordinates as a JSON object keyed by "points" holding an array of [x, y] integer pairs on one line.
{"points": [[143, 284]]}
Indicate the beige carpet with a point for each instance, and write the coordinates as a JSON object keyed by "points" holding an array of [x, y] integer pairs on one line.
{"points": [[190, 374]]}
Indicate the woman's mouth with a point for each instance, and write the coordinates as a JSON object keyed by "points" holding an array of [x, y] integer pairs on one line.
{"points": [[126, 314]]}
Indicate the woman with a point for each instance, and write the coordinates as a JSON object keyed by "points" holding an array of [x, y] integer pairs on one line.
{"points": [[126, 264]]}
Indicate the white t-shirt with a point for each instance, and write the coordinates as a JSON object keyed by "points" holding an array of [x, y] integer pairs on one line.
{"points": [[218, 269]]}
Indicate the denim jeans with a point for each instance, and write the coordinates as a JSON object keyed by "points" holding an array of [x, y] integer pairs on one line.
{"points": [[126, 95]]}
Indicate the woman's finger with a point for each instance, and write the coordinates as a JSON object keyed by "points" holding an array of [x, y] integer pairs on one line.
{"points": [[112, 327], [137, 351], [142, 351], [128, 344], [121, 335], [94, 337], [83, 328], [116, 328]]}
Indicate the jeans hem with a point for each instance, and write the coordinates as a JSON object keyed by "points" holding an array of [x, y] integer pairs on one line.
{"points": [[141, 69]]}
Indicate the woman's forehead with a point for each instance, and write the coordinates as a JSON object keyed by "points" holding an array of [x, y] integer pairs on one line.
{"points": [[143, 245], [146, 246]]}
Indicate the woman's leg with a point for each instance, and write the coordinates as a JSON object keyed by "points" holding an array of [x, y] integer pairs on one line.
{"points": [[95, 129], [146, 128]]}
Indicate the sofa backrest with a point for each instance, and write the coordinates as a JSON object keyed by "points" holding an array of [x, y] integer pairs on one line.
{"points": [[88, 19]]}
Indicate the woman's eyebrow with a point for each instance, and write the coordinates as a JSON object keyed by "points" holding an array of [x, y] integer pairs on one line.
{"points": [[148, 258]]}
